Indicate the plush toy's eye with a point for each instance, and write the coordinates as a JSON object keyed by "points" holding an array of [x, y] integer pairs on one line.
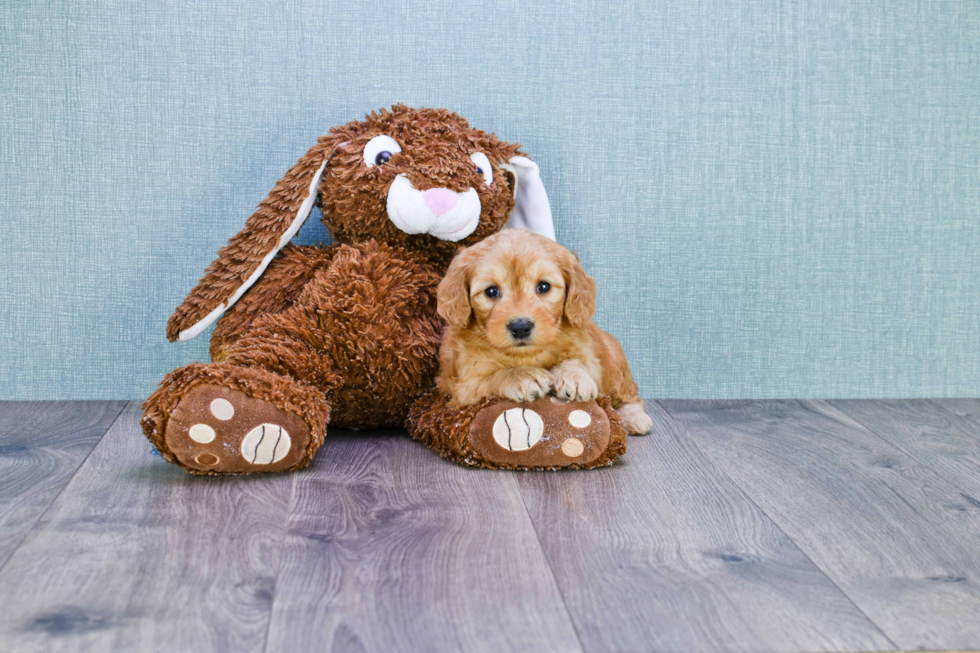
{"points": [[379, 149], [483, 166], [543, 287], [493, 292]]}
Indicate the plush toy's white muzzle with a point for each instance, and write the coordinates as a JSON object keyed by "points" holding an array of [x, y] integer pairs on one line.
{"points": [[439, 212]]}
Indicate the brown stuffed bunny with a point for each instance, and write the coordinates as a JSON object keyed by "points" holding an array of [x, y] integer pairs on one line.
{"points": [[347, 334]]}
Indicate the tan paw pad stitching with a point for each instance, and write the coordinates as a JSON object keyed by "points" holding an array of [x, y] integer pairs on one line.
{"points": [[572, 447], [206, 459]]}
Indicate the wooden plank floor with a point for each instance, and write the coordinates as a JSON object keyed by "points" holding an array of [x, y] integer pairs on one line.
{"points": [[735, 526]]}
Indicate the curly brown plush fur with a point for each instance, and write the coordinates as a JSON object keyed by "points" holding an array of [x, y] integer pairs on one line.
{"points": [[349, 332], [283, 393], [436, 423], [436, 147], [346, 334]]}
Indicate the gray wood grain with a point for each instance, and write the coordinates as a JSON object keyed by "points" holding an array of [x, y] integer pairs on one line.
{"points": [[933, 435], [704, 539], [391, 548], [42, 443], [135, 554], [965, 414], [886, 529], [664, 553]]}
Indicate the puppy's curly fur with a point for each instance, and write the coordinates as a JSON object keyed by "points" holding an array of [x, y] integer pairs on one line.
{"points": [[519, 310]]}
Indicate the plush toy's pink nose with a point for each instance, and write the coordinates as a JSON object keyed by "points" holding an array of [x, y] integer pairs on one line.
{"points": [[440, 200]]}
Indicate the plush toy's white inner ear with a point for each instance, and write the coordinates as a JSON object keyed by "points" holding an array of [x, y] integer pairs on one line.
{"points": [[531, 207], [294, 227]]}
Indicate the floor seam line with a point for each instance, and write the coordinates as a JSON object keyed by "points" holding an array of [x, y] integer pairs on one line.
{"points": [[551, 570], [875, 433], [55, 498], [775, 523], [925, 465], [285, 536], [879, 436], [954, 418]]}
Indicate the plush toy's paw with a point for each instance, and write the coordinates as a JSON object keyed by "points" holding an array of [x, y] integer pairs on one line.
{"points": [[635, 419], [574, 382], [215, 429], [525, 384], [548, 433], [223, 419]]}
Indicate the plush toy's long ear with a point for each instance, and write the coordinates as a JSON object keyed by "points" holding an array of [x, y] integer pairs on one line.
{"points": [[243, 260], [532, 210]]}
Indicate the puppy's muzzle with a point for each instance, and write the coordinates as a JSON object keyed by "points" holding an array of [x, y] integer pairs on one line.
{"points": [[520, 328]]}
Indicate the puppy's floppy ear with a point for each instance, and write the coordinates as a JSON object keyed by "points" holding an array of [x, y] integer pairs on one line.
{"points": [[532, 211], [453, 294], [579, 291], [242, 261]]}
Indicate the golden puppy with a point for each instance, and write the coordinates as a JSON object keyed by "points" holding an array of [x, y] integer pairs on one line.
{"points": [[519, 309]]}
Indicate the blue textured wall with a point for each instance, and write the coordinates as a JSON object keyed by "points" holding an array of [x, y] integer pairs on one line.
{"points": [[776, 198]]}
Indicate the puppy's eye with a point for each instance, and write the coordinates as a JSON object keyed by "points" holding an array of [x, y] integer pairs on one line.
{"points": [[379, 149], [493, 292], [543, 287], [483, 166]]}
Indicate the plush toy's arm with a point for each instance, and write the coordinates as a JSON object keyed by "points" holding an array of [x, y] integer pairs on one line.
{"points": [[279, 287], [243, 260]]}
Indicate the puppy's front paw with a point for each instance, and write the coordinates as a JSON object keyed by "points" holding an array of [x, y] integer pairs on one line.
{"points": [[526, 384], [573, 382]]}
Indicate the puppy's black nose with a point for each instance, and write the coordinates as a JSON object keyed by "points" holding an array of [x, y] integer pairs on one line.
{"points": [[520, 328]]}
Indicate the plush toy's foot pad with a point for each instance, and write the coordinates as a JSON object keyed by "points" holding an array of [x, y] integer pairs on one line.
{"points": [[548, 433], [542, 433], [217, 429]]}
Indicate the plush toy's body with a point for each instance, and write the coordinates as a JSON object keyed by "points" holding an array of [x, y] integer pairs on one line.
{"points": [[354, 321], [347, 334]]}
